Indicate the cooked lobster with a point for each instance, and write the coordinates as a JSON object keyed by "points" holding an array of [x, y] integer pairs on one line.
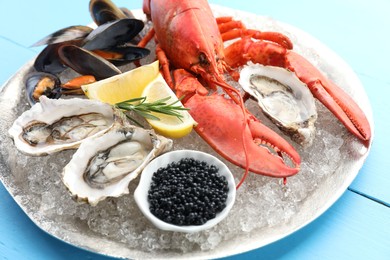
{"points": [[191, 41]]}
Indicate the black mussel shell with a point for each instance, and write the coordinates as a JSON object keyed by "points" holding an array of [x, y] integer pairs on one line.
{"points": [[124, 54], [42, 83], [103, 11], [76, 32], [127, 12], [113, 34], [86, 62], [48, 59]]}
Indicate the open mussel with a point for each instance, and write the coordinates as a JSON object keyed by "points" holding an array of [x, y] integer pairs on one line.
{"points": [[70, 33], [42, 84], [48, 59], [113, 34], [45, 84], [104, 44], [103, 11], [93, 53], [86, 62], [108, 40]]}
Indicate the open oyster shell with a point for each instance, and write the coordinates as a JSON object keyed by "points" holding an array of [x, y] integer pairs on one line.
{"points": [[104, 166], [57, 124], [283, 98]]}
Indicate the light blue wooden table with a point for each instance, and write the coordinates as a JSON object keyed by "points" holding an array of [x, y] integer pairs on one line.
{"points": [[357, 226]]}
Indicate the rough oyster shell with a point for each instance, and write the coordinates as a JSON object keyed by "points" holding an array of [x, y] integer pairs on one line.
{"points": [[104, 166], [283, 98], [57, 124]]}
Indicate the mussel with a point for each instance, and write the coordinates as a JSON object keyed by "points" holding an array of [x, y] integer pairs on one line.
{"points": [[108, 40], [42, 83], [103, 11], [86, 63], [92, 52], [70, 33], [48, 59], [113, 34]]}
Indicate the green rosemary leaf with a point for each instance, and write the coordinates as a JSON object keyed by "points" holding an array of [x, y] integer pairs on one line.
{"points": [[134, 121], [144, 109]]}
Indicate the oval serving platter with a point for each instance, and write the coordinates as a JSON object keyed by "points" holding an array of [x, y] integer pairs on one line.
{"points": [[286, 210]]}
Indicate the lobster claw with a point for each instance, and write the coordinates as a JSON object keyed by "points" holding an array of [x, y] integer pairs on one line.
{"points": [[220, 124], [332, 96]]}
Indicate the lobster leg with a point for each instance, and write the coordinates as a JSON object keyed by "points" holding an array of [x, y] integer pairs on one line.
{"points": [[220, 122], [147, 38], [332, 96], [231, 29]]}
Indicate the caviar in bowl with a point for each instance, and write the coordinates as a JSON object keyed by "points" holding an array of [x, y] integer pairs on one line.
{"points": [[185, 191]]}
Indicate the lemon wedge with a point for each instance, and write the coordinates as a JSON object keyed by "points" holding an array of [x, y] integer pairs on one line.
{"points": [[167, 125], [124, 86]]}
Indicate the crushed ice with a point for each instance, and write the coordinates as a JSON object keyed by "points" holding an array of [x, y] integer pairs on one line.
{"points": [[261, 202]]}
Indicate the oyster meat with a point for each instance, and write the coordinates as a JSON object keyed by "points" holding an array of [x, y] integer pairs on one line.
{"points": [[57, 124], [283, 98], [104, 166]]}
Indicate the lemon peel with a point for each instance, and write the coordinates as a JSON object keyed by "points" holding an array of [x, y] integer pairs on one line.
{"points": [[125, 86], [167, 125]]}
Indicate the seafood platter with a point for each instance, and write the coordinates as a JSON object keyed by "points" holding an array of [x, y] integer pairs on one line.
{"points": [[268, 134]]}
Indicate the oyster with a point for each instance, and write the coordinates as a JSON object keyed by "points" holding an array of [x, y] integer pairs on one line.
{"points": [[104, 166], [57, 124], [283, 98]]}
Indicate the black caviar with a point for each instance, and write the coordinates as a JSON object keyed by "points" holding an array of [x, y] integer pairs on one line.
{"points": [[188, 192]]}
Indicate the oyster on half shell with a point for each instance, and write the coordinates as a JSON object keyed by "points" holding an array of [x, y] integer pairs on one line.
{"points": [[104, 166], [283, 98], [57, 124]]}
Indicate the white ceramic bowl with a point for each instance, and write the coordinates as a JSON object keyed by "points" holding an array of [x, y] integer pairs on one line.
{"points": [[141, 192]]}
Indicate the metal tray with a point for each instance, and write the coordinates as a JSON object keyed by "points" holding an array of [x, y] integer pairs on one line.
{"points": [[323, 191]]}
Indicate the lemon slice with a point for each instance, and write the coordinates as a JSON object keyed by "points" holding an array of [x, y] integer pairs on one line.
{"points": [[169, 126], [124, 86]]}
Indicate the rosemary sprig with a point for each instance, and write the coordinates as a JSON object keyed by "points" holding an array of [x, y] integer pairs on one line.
{"points": [[144, 109]]}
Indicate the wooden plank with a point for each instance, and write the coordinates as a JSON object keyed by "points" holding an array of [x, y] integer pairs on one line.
{"points": [[21, 239], [373, 179], [353, 29], [356, 39], [353, 228]]}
